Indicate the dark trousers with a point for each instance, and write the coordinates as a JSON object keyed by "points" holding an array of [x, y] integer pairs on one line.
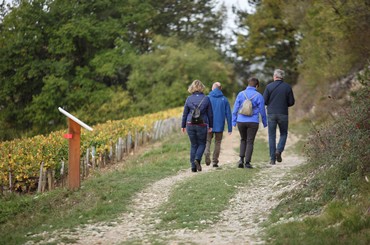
{"points": [[274, 121], [247, 131]]}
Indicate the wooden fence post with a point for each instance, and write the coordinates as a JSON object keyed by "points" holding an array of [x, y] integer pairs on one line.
{"points": [[50, 180], [43, 182], [136, 141], [10, 180], [120, 147], [62, 174], [87, 161], [93, 159], [39, 186]]}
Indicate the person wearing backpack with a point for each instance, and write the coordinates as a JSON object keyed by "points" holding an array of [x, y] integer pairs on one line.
{"points": [[221, 113], [249, 104], [278, 97], [197, 120]]}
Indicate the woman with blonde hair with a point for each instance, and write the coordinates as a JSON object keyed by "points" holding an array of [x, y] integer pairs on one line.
{"points": [[197, 128]]}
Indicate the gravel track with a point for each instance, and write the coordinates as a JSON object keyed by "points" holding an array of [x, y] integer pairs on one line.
{"points": [[240, 223]]}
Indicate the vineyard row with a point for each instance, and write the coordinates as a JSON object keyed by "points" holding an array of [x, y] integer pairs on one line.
{"points": [[41, 162]]}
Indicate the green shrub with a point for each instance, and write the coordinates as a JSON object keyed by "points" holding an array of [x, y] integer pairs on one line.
{"points": [[333, 195], [341, 147]]}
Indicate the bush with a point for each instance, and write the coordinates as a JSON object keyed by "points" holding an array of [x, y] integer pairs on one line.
{"points": [[341, 147]]}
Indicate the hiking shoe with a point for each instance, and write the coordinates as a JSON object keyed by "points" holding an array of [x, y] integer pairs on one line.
{"points": [[215, 165], [208, 160], [193, 169], [197, 164], [248, 165], [278, 156], [240, 164], [272, 162]]}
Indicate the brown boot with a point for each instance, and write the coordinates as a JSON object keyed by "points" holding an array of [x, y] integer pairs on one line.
{"points": [[278, 156]]}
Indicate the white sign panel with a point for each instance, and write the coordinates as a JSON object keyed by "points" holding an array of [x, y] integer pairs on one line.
{"points": [[75, 119]]}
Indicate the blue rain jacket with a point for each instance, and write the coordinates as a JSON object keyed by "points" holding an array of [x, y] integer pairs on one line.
{"points": [[258, 105], [221, 111]]}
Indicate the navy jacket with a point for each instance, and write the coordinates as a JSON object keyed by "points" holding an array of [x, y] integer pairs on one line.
{"points": [[205, 109], [221, 111], [278, 97]]}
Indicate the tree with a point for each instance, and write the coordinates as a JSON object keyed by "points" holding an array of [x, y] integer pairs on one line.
{"points": [[23, 63], [51, 55], [270, 41], [335, 37], [159, 80], [189, 20], [80, 55]]}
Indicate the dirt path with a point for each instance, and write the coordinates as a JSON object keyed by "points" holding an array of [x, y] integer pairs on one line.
{"points": [[239, 224]]}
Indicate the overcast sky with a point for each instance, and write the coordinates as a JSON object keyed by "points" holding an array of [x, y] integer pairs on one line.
{"points": [[231, 18], [239, 4]]}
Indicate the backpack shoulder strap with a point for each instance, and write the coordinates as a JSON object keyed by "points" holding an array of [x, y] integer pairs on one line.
{"points": [[245, 95], [251, 97], [201, 102], [254, 95]]}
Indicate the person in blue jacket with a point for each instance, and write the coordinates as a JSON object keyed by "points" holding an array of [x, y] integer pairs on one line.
{"points": [[197, 132], [248, 125], [221, 113]]}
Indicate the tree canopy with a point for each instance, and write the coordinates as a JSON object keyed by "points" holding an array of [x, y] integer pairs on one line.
{"points": [[161, 78], [109, 59], [319, 40], [270, 41], [80, 55]]}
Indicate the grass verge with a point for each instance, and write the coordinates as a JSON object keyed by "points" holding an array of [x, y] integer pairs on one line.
{"points": [[100, 198], [197, 202]]}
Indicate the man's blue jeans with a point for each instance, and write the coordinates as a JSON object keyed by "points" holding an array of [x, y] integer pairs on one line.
{"points": [[281, 121], [198, 138]]}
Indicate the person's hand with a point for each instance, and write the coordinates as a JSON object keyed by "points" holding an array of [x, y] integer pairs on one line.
{"points": [[209, 130], [183, 130]]}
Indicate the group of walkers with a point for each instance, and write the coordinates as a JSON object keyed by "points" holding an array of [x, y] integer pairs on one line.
{"points": [[215, 111]]}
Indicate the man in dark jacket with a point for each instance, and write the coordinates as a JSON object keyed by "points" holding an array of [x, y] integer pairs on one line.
{"points": [[278, 97], [221, 112]]}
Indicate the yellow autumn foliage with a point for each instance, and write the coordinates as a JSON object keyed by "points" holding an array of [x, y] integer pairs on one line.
{"points": [[21, 158]]}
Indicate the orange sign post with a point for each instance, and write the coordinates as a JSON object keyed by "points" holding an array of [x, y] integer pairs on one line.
{"points": [[74, 137]]}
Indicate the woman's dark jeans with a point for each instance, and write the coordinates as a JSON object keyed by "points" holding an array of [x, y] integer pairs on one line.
{"points": [[198, 138], [247, 131], [273, 121]]}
